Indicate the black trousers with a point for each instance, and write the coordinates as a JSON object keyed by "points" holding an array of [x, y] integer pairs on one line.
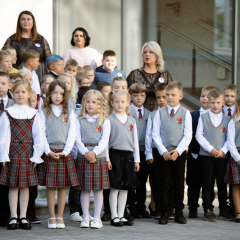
{"points": [[33, 193], [172, 171], [139, 196], [106, 200], [155, 172], [74, 200], [214, 168], [194, 182]]}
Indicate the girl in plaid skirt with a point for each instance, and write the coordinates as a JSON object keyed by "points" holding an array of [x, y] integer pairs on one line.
{"points": [[233, 168], [123, 154], [93, 130], [58, 170], [21, 147]]}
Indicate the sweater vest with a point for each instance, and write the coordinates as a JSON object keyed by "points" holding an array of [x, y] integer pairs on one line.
{"points": [[237, 134], [9, 104]]}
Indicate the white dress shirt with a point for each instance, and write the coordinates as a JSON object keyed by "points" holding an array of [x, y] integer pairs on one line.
{"points": [[225, 108], [148, 138], [5, 101], [216, 120], [21, 112], [103, 142], [231, 140], [57, 110], [35, 82], [187, 132], [137, 112]]}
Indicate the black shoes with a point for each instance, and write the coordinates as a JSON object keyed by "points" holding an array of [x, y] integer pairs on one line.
{"points": [[12, 226], [237, 220], [226, 215], [128, 216], [127, 223], [163, 219], [209, 216], [106, 216], [151, 211], [157, 214], [171, 215], [179, 218], [135, 212], [193, 214], [25, 226], [144, 213], [116, 224]]}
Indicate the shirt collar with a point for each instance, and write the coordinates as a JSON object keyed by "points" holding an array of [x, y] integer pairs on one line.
{"points": [[136, 108], [87, 116], [54, 72], [213, 115], [201, 110], [5, 99], [56, 107], [169, 108], [225, 108], [28, 70]]}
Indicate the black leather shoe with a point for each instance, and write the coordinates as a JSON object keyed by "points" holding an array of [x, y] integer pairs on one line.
{"points": [[179, 218], [106, 216], [116, 224], [144, 213], [151, 211], [25, 226], [237, 220], [163, 219], [128, 216], [127, 223], [12, 226], [193, 214], [135, 213]]}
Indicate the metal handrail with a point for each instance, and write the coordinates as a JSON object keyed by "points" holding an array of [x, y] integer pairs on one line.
{"points": [[193, 42]]}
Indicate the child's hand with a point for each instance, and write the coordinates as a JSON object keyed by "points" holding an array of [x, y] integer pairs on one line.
{"points": [[34, 164], [93, 160], [53, 155], [238, 163], [214, 152], [149, 161], [4, 164], [61, 154], [220, 154], [90, 155], [166, 156], [109, 164], [174, 155], [137, 167]]}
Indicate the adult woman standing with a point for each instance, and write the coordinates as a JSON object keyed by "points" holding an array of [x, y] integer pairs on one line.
{"points": [[151, 72], [80, 51], [27, 37]]}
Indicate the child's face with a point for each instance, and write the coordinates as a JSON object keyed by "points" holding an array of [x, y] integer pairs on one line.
{"points": [[34, 63], [71, 69], [119, 85], [161, 98], [91, 74], [204, 100], [86, 82], [21, 95], [120, 104], [230, 96], [6, 64], [68, 83], [216, 104], [57, 67], [14, 55], [57, 96], [173, 96], [138, 99], [105, 91], [28, 77], [91, 105], [4, 86], [33, 102], [109, 63], [47, 83]]}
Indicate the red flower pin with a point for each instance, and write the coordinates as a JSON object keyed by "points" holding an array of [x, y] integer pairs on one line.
{"points": [[223, 129], [99, 129], [146, 120], [128, 114], [130, 127], [179, 120], [65, 119]]}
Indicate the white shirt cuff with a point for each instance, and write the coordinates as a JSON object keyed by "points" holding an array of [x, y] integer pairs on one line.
{"points": [[4, 158], [65, 153], [36, 160], [149, 156], [179, 150]]}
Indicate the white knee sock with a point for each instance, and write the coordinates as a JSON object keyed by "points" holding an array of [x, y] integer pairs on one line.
{"points": [[13, 201], [85, 199], [23, 201], [113, 200], [98, 202], [122, 199]]}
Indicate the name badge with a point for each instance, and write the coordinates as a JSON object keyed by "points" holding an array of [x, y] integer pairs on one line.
{"points": [[37, 45], [119, 74], [161, 80]]}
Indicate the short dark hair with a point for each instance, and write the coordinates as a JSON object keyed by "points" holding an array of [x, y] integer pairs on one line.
{"points": [[85, 34], [102, 84], [82, 92], [109, 53], [4, 74], [160, 87]]}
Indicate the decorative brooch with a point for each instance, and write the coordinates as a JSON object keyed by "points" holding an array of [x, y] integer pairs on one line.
{"points": [[128, 114], [65, 119], [130, 127], [179, 120], [99, 129], [146, 120], [223, 129]]}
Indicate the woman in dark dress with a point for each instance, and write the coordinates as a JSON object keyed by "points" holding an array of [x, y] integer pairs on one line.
{"points": [[151, 72], [27, 37]]}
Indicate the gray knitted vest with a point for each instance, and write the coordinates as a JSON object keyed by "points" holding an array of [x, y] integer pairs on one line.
{"points": [[141, 125], [57, 129], [237, 134], [122, 135], [171, 130], [9, 104], [152, 115], [216, 136], [91, 133]]}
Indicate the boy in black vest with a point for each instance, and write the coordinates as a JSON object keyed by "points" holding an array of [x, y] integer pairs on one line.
{"points": [[211, 135], [194, 173], [172, 134]]}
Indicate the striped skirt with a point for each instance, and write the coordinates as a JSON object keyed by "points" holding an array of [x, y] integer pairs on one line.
{"points": [[92, 176], [233, 172], [59, 173]]}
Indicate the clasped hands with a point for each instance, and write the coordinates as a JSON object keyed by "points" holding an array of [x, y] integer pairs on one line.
{"points": [[217, 153], [170, 156]]}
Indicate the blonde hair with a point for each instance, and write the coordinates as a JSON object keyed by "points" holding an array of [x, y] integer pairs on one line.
{"points": [[24, 72], [114, 94], [216, 93], [28, 54], [81, 76], [80, 70], [33, 94], [208, 88], [119, 79], [237, 111], [231, 87], [88, 68], [101, 110], [4, 53], [174, 84], [137, 88], [156, 49], [71, 62], [72, 92], [26, 84]]}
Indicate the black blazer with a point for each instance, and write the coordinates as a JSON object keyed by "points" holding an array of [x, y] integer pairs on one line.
{"points": [[53, 74]]}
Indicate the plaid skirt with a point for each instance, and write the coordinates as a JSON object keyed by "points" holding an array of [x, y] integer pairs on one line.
{"points": [[232, 175], [59, 173], [92, 176]]}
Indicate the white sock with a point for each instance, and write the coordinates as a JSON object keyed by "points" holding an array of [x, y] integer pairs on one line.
{"points": [[98, 202], [13, 201], [113, 200], [122, 199], [23, 200], [85, 199]]}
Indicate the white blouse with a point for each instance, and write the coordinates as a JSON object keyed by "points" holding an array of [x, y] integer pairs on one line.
{"points": [[21, 112], [102, 144], [40, 103], [57, 110]]}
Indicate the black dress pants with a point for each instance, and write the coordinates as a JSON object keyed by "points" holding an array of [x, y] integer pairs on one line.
{"points": [[74, 200], [4, 204]]}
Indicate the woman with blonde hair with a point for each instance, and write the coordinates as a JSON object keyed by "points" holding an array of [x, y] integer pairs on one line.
{"points": [[151, 73]]}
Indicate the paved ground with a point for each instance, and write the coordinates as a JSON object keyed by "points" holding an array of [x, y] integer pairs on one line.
{"points": [[142, 229]]}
